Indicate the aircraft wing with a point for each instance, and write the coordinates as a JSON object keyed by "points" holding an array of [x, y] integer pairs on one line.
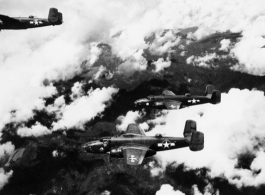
{"points": [[134, 155], [172, 105], [7, 19], [134, 129], [167, 92]]}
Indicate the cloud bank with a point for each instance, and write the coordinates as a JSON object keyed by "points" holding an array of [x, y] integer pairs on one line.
{"points": [[84, 108], [28, 57], [232, 128]]}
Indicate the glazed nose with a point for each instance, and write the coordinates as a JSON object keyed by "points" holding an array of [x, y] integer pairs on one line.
{"points": [[87, 147], [136, 103]]}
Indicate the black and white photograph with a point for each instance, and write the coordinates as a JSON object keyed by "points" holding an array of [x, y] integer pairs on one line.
{"points": [[132, 97]]}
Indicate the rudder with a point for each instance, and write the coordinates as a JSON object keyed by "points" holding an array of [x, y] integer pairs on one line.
{"points": [[193, 137], [190, 127], [216, 97], [55, 16], [209, 90], [197, 141]]}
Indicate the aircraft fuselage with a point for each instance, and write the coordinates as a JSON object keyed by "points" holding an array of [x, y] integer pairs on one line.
{"points": [[158, 101], [115, 145], [26, 22]]}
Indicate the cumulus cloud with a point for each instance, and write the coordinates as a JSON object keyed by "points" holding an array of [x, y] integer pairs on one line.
{"points": [[232, 128], [202, 61], [133, 63], [36, 130], [160, 64], [4, 177], [28, 57], [225, 45], [99, 72], [6, 148], [130, 117], [94, 53], [84, 108], [169, 190], [77, 91], [163, 42]]}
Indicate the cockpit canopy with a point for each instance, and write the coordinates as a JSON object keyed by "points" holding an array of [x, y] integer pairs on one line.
{"points": [[142, 100], [150, 97], [158, 135], [31, 16]]}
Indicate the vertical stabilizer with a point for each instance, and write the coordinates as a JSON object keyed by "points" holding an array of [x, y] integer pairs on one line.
{"points": [[193, 137], [55, 16]]}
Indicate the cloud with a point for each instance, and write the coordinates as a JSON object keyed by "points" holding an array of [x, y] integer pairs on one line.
{"points": [[99, 72], [94, 53], [28, 57], [232, 128], [35, 130], [225, 44], [77, 91], [6, 148], [85, 108], [130, 117], [169, 190], [163, 42], [202, 61], [160, 64], [133, 63], [4, 177]]}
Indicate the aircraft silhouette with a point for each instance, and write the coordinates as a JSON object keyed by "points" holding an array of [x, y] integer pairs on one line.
{"points": [[170, 101], [17, 23], [134, 145]]}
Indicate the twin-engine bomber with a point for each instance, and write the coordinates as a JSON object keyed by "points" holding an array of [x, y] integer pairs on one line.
{"points": [[17, 23], [170, 101], [134, 145]]}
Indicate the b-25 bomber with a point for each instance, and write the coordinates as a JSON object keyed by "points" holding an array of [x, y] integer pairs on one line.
{"points": [[134, 145], [170, 101], [17, 23]]}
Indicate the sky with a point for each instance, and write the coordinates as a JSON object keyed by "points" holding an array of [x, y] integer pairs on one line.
{"points": [[30, 57]]}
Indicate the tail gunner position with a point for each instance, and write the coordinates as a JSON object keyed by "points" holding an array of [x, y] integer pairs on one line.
{"points": [[17, 23], [168, 100], [134, 145]]}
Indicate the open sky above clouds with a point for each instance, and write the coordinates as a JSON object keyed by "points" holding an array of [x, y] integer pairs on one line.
{"points": [[28, 57]]}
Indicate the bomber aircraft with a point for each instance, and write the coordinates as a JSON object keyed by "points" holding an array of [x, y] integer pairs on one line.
{"points": [[134, 145], [170, 101], [17, 23]]}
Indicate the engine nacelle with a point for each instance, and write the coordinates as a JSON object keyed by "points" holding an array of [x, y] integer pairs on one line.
{"points": [[1, 23], [197, 141], [150, 153], [116, 153]]}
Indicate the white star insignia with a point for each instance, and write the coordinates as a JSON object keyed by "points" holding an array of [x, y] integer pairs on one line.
{"points": [[166, 144], [193, 101], [37, 22]]}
